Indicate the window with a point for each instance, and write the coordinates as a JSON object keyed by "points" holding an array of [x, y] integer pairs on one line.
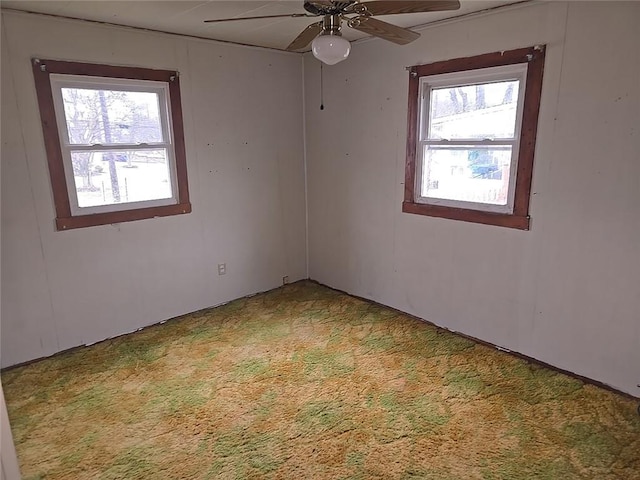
{"points": [[114, 142], [471, 136]]}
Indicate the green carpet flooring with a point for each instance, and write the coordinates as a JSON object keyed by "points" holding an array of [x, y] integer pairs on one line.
{"points": [[304, 382]]}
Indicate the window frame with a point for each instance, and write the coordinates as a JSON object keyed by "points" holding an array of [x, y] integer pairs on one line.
{"points": [[522, 161], [54, 128]]}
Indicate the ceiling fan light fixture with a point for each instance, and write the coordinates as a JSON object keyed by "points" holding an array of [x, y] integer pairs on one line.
{"points": [[330, 48]]}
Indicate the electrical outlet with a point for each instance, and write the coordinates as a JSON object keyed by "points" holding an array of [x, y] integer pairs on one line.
{"points": [[222, 268], [285, 279]]}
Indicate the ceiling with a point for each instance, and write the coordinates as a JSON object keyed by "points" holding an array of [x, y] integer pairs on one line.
{"points": [[186, 17]]}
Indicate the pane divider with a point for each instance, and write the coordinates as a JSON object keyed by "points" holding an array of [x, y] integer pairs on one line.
{"points": [[119, 146], [469, 142]]}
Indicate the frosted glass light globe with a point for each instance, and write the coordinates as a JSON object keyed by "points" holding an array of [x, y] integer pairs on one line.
{"points": [[330, 49]]}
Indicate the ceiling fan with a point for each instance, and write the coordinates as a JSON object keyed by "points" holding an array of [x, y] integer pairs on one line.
{"points": [[328, 45]]}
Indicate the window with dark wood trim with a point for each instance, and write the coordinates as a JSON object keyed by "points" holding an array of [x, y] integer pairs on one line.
{"points": [[471, 137], [114, 142]]}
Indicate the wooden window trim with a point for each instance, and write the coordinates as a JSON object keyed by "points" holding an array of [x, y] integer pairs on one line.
{"points": [[42, 69], [519, 219]]}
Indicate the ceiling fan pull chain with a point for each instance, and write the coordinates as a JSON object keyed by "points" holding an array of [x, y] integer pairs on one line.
{"points": [[321, 89]]}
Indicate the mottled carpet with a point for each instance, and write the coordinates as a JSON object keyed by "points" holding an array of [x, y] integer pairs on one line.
{"points": [[306, 382]]}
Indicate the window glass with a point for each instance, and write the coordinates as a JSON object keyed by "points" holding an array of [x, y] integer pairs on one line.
{"points": [[120, 176], [474, 111], [111, 116], [467, 173]]}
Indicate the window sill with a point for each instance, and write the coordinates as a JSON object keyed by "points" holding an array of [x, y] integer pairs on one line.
{"points": [[81, 221], [467, 215]]}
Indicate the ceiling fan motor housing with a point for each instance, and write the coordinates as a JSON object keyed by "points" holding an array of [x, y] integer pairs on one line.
{"points": [[327, 7]]}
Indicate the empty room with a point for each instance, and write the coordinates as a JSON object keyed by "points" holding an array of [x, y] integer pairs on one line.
{"points": [[320, 239]]}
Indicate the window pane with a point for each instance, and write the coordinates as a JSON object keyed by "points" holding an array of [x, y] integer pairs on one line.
{"points": [[468, 173], [474, 111], [107, 178], [109, 116]]}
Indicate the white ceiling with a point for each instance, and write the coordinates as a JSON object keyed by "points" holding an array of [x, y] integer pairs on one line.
{"points": [[186, 17]]}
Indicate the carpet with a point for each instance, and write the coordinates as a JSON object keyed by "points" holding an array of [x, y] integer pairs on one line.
{"points": [[304, 382]]}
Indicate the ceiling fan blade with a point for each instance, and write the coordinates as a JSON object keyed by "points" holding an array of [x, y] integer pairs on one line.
{"points": [[290, 15], [385, 30], [390, 7], [306, 36]]}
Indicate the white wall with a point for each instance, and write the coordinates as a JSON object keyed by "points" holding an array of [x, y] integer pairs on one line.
{"points": [[568, 291], [243, 128]]}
